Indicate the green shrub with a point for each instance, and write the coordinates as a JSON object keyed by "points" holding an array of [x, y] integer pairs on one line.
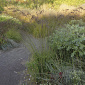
{"points": [[69, 41], [14, 34]]}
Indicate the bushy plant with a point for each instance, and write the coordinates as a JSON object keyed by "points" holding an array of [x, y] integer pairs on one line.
{"points": [[14, 34], [69, 41]]}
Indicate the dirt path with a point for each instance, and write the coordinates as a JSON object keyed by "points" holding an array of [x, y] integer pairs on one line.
{"points": [[12, 65]]}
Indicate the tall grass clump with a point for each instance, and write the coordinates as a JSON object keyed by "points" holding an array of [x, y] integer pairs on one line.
{"points": [[42, 30], [44, 26]]}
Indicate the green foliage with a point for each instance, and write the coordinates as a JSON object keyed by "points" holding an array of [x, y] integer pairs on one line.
{"points": [[44, 27], [1, 40], [40, 30], [69, 76], [77, 77], [8, 22], [66, 44], [1, 9], [44, 68], [14, 34], [54, 3], [6, 17], [2, 4], [68, 41], [37, 66]]}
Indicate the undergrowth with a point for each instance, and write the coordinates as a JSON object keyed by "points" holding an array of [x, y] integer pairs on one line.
{"points": [[63, 63], [14, 35], [7, 23]]}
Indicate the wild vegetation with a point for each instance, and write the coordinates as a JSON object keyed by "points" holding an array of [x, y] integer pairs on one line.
{"points": [[62, 62], [64, 59]]}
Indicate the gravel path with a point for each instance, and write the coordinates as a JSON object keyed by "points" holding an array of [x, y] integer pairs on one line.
{"points": [[12, 65]]}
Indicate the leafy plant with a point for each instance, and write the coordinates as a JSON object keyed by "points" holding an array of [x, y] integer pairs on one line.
{"points": [[6, 17], [14, 34], [68, 41]]}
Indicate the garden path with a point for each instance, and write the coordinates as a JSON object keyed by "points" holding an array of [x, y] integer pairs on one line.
{"points": [[12, 65]]}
